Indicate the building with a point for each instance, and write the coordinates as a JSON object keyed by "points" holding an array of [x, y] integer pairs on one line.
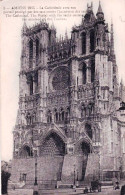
{"points": [[71, 116]]}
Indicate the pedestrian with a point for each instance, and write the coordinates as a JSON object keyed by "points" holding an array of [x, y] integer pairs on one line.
{"points": [[114, 182], [122, 190], [117, 184]]}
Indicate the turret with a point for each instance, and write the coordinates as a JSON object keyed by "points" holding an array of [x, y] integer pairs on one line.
{"points": [[89, 16]]}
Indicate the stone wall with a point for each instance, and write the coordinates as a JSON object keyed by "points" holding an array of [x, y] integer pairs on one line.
{"points": [[48, 168]]}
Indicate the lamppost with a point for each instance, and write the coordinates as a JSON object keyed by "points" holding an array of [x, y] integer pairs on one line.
{"points": [[74, 181], [35, 191], [77, 179]]}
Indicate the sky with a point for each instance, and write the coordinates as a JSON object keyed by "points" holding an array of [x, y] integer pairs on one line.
{"points": [[10, 43]]}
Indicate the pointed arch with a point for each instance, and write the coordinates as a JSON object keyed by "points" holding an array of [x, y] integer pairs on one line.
{"points": [[26, 151], [83, 143], [53, 143]]}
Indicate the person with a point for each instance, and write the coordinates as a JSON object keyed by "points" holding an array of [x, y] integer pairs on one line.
{"points": [[114, 182], [117, 184], [4, 179], [85, 190], [122, 190]]}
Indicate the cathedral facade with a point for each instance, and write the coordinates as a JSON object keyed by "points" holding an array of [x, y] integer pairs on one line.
{"points": [[71, 116]]}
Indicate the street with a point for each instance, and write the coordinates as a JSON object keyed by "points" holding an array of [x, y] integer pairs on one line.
{"points": [[106, 191]]}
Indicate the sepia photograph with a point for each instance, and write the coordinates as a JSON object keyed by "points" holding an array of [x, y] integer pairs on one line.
{"points": [[62, 104]]}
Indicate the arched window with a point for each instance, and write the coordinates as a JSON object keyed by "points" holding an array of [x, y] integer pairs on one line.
{"points": [[88, 130], [92, 41], [83, 43], [90, 109], [49, 116], [62, 114], [60, 55], [56, 116], [30, 53], [84, 73], [36, 81], [94, 136], [26, 151], [67, 114], [37, 51], [97, 135], [51, 58], [98, 40], [34, 117], [69, 53], [31, 85], [83, 111], [92, 70], [28, 118]]}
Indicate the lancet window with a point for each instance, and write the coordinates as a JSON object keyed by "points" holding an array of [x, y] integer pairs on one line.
{"points": [[30, 53], [37, 51], [92, 70], [92, 41], [83, 43], [84, 73]]}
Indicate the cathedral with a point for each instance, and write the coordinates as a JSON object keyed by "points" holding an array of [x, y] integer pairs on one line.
{"points": [[71, 116]]}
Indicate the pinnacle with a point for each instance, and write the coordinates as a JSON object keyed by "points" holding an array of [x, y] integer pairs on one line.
{"points": [[24, 26], [100, 8]]}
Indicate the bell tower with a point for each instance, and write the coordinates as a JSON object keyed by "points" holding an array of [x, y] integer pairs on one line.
{"points": [[33, 82]]}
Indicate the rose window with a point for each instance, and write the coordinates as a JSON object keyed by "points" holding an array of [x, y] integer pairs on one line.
{"points": [[60, 79]]}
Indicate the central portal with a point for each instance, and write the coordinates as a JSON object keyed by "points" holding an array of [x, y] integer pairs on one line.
{"points": [[52, 153]]}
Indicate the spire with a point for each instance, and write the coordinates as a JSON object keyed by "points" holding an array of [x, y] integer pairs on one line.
{"points": [[112, 40], [100, 14], [99, 8], [24, 29], [66, 35]]}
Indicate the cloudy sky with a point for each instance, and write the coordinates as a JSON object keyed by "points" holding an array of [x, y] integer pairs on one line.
{"points": [[11, 51]]}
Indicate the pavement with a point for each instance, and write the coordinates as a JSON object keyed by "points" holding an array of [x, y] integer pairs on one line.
{"points": [[105, 191]]}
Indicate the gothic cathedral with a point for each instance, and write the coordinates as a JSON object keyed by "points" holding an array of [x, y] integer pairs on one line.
{"points": [[71, 115]]}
